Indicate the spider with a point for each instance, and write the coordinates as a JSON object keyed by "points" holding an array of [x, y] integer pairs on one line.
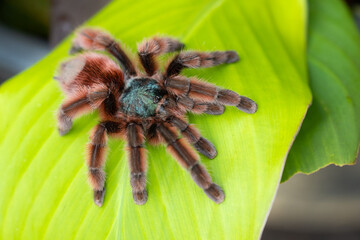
{"points": [[138, 105]]}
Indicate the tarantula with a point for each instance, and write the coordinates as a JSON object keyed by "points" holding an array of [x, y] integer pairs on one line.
{"points": [[138, 105]]}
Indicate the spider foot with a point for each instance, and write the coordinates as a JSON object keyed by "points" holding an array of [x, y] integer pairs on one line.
{"points": [[215, 193], [64, 129], [247, 105], [140, 198], [232, 57], [99, 197], [65, 124]]}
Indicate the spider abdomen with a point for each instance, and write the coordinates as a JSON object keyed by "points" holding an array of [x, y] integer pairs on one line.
{"points": [[140, 97]]}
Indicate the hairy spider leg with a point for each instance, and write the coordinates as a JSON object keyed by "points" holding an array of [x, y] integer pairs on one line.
{"points": [[149, 49], [96, 156], [205, 92], [192, 134], [137, 162], [77, 105], [193, 59], [94, 39], [198, 107], [188, 158]]}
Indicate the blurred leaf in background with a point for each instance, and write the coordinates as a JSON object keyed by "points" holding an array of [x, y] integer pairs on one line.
{"points": [[29, 16], [331, 131]]}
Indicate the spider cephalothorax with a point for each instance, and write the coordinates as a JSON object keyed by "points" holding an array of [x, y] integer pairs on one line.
{"points": [[141, 96], [138, 105]]}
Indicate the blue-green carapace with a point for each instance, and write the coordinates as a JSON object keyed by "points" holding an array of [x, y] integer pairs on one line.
{"points": [[143, 103]]}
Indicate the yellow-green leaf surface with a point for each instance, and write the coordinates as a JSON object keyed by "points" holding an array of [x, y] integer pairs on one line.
{"points": [[44, 191], [331, 130]]}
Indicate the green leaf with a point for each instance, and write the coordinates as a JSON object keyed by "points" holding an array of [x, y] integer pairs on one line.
{"points": [[330, 133], [43, 180]]}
